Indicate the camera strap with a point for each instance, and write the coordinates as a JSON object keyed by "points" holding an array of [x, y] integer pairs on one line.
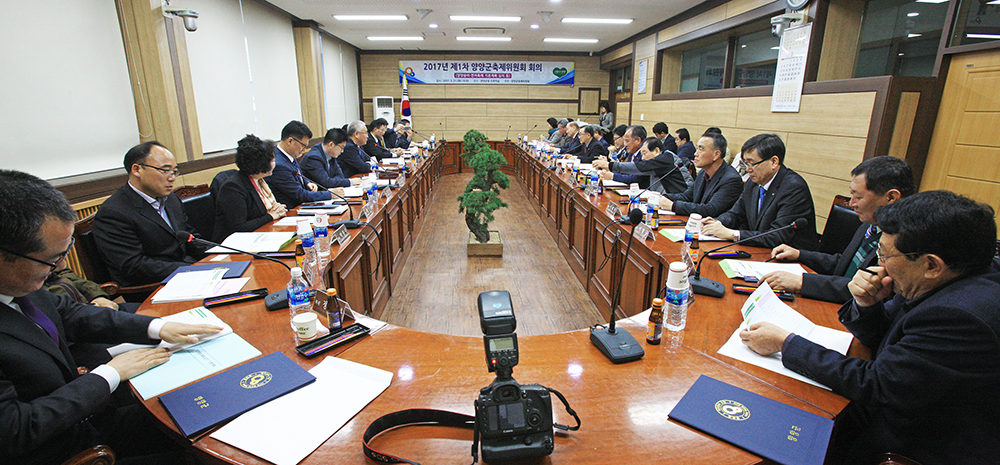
{"points": [[432, 417]]}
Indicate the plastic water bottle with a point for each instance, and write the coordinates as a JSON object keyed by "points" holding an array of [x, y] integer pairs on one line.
{"points": [[310, 264], [677, 297], [648, 219], [691, 232], [298, 294], [321, 236], [595, 184]]}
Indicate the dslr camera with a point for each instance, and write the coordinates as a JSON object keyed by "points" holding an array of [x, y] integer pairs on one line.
{"points": [[514, 421]]}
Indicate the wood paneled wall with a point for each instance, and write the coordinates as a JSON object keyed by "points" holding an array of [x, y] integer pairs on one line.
{"points": [[449, 111]]}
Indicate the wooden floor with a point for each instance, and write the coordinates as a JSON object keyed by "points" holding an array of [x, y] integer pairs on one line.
{"points": [[438, 286]]}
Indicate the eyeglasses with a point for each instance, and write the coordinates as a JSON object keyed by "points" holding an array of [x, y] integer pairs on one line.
{"points": [[882, 257], [300, 143], [52, 265], [753, 165], [169, 172]]}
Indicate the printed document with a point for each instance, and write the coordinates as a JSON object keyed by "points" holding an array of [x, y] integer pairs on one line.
{"points": [[256, 242], [198, 285], [194, 363], [741, 268]]}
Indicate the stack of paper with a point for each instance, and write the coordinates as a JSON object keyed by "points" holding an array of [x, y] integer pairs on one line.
{"points": [[198, 285], [609, 183], [256, 242], [762, 306], [195, 316], [744, 268]]}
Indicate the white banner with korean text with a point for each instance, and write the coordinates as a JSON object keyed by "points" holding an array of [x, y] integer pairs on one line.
{"points": [[487, 72]]}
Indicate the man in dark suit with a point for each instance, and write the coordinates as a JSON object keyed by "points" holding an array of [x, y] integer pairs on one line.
{"points": [[289, 186], [632, 140], [877, 181], [717, 186], [573, 146], [590, 146], [935, 367], [48, 411], [375, 146], [135, 228], [775, 196], [662, 132], [354, 159], [685, 148], [320, 163], [663, 170], [399, 136]]}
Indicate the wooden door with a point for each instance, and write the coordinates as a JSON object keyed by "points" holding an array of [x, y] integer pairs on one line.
{"points": [[964, 155]]}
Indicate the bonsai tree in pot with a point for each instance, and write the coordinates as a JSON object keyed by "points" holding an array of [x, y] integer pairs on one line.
{"points": [[482, 195]]}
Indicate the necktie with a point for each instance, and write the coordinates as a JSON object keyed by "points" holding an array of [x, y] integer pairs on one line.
{"points": [[760, 202], [867, 244], [29, 310]]}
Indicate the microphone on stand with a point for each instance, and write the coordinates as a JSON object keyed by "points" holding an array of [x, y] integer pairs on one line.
{"points": [[506, 137], [712, 288], [622, 220], [351, 223], [185, 236], [619, 346]]}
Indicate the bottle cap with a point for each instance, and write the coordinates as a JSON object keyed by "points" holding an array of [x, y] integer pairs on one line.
{"points": [[296, 272], [677, 277], [658, 302], [331, 292], [321, 220], [303, 227], [695, 216]]}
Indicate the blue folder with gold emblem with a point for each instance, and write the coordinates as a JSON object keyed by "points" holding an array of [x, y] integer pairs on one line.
{"points": [[766, 427], [220, 397]]}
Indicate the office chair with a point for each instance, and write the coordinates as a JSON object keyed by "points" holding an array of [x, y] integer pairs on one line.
{"points": [[200, 210], [840, 227], [96, 270], [97, 455]]}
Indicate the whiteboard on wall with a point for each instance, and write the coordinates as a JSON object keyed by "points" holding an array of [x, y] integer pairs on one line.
{"points": [[340, 83], [65, 109], [230, 104]]}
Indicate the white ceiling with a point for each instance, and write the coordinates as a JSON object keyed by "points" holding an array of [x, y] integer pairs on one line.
{"points": [[645, 13]]}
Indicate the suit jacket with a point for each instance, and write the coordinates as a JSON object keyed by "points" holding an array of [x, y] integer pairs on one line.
{"points": [[136, 244], [709, 197], [238, 208], [289, 185], [936, 359], [316, 166], [377, 148], [829, 282], [393, 140], [572, 147], [664, 164], [669, 143], [686, 151], [641, 179], [591, 151], [787, 200], [353, 160], [44, 402]]}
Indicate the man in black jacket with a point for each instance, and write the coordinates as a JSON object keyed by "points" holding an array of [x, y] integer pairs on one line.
{"points": [[319, 164], [135, 228], [774, 197], [877, 181], [663, 168], [717, 186], [354, 159]]}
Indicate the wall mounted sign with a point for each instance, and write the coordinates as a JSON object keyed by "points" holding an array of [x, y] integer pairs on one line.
{"points": [[487, 72]]}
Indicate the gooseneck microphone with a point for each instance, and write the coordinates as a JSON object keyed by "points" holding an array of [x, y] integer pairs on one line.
{"points": [[506, 137], [619, 346], [185, 236], [632, 199], [529, 130], [351, 223], [712, 288]]}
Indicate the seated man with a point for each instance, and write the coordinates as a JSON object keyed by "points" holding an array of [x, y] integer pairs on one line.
{"points": [[354, 160], [49, 412], [935, 344], [775, 196], [135, 229], [319, 164], [662, 132], [662, 169], [572, 146], [289, 186], [590, 145], [632, 144], [399, 136], [685, 148], [559, 138], [375, 146], [717, 186], [618, 152], [877, 181]]}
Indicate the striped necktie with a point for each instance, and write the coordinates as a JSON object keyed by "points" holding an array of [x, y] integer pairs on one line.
{"points": [[867, 244]]}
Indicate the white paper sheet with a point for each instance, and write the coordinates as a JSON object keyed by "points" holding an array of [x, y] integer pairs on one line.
{"points": [[759, 269], [610, 183], [291, 220], [763, 305], [353, 192], [195, 316], [256, 242], [198, 285], [286, 430], [195, 363]]}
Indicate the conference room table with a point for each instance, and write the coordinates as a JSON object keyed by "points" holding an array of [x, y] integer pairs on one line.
{"points": [[623, 407]]}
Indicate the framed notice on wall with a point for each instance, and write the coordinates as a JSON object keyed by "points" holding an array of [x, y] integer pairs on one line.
{"points": [[640, 77], [487, 72], [791, 69]]}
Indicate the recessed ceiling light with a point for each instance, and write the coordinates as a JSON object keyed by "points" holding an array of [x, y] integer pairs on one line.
{"points": [[598, 20], [931, 1], [572, 41], [983, 36], [395, 38], [534, 26], [912, 14], [900, 54], [433, 26], [483, 39], [743, 46], [775, 48], [371, 17], [510, 19], [910, 36]]}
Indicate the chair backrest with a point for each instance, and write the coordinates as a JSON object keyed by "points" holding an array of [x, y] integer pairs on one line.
{"points": [[217, 181], [840, 226], [89, 256], [200, 211], [890, 458], [97, 455], [190, 191]]}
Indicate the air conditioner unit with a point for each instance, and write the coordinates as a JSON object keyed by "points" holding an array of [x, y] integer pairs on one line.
{"points": [[384, 108]]}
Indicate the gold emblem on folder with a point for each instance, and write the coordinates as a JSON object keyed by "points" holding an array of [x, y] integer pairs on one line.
{"points": [[255, 380], [732, 410]]}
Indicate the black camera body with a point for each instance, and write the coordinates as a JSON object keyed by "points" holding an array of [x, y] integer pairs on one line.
{"points": [[514, 421]]}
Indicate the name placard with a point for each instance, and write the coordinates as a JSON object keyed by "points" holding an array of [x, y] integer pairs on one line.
{"points": [[613, 210], [341, 236], [644, 232]]}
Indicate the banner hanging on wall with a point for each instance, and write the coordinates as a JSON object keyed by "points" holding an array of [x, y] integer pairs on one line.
{"points": [[487, 72]]}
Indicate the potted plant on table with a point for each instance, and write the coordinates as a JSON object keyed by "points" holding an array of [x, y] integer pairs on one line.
{"points": [[482, 194]]}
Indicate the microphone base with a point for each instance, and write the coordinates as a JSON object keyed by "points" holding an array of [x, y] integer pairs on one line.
{"points": [[349, 224], [619, 347], [705, 286]]}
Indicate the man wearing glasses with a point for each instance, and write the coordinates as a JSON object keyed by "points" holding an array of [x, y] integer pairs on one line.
{"points": [[929, 389], [289, 185], [48, 411], [135, 229], [775, 196]]}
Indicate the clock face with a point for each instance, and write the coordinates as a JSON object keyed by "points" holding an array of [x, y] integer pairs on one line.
{"points": [[796, 4]]}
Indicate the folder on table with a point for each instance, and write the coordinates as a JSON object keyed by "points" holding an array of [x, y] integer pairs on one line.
{"points": [[766, 427], [234, 269], [218, 398]]}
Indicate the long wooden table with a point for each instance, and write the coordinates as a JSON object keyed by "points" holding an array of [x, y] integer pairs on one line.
{"points": [[623, 407]]}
